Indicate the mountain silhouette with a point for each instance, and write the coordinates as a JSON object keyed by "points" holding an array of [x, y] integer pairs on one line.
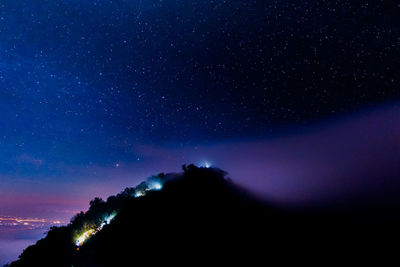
{"points": [[198, 216]]}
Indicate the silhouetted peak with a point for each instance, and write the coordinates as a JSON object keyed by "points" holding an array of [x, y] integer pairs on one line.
{"points": [[190, 193]]}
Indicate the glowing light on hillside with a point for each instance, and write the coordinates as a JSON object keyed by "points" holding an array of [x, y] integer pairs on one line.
{"points": [[155, 185], [150, 185], [111, 217], [205, 164], [139, 193], [83, 237]]}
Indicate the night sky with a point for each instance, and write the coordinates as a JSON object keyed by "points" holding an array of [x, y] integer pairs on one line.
{"points": [[288, 96]]}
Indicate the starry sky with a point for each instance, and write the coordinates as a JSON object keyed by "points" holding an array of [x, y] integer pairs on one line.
{"points": [[96, 95]]}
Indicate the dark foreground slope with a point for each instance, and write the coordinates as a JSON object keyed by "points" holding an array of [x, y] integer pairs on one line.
{"points": [[197, 216]]}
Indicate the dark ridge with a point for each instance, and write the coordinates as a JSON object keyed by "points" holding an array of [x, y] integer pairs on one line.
{"points": [[198, 215]]}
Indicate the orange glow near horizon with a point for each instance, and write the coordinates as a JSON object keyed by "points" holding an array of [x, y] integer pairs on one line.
{"points": [[29, 222]]}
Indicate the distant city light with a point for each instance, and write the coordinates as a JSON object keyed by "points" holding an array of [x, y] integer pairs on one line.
{"points": [[30, 223]]}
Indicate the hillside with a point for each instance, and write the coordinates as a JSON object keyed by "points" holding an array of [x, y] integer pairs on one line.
{"points": [[198, 214]]}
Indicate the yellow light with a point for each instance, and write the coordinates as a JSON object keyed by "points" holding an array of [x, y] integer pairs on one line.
{"points": [[82, 238]]}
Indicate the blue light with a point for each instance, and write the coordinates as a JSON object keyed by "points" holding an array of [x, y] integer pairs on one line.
{"points": [[205, 164]]}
